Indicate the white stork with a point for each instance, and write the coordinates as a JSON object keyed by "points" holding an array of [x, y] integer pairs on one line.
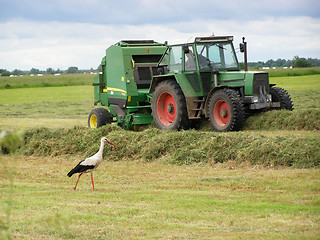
{"points": [[91, 163]]}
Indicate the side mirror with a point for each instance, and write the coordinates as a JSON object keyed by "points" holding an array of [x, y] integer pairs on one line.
{"points": [[186, 49], [241, 47]]}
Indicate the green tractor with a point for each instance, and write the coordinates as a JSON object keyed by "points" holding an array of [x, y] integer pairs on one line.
{"points": [[176, 86]]}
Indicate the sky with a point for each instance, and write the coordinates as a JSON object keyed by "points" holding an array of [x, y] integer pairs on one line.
{"points": [[63, 33]]}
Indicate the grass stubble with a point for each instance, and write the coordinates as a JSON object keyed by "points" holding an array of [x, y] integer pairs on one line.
{"points": [[138, 200]]}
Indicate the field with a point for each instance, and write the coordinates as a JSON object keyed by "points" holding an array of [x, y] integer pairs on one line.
{"points": [[259, 183], [136, 200], [45, 81]]}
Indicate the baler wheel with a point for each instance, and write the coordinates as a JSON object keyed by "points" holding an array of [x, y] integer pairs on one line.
{"points": [[226, 111], [99, 117], [168, 105]]}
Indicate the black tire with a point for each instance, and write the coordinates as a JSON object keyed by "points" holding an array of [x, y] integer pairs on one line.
{"points": [[99, 117], [168, 106], [226, 111], [282, 96]]}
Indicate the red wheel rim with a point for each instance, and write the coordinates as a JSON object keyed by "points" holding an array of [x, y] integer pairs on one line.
{"points": [[221, 113], [166, 108]]}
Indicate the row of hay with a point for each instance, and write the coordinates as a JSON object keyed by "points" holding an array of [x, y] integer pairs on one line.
{"points": [[177, 147]]}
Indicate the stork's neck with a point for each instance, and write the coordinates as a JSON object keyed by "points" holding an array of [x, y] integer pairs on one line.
{"points": [[100, 152]]}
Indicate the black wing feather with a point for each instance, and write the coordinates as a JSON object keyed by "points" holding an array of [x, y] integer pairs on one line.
{"points": [[79, 169]]}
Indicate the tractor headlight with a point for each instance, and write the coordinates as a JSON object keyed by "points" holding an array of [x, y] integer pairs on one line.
{"points": [[255, 99], [269, 97]]}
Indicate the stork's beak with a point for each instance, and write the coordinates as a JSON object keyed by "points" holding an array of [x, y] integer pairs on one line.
{"points": [[111, 143]]}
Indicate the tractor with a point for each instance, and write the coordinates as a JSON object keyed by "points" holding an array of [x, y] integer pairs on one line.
{"points": [[177, 86]]}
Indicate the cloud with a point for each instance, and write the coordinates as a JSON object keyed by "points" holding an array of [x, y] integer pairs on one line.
{"points": [[61, 33], [141, 12], [28, 44]]}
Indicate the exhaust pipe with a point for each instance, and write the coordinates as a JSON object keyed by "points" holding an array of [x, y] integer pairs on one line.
{"points": [[243, 48]]}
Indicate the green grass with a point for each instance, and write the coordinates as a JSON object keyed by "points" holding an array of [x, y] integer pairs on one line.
{"points": [[135, 200], [52, 94], [51, 107], [279, 72], [46, 81], [298, 83], [54, 110], [306, 100], [51, 122]]}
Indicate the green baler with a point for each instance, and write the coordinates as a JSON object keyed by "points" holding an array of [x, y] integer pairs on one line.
{"points": [[123, 85], [176, 86]]}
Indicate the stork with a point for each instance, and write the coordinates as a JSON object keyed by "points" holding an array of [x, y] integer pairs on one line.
{"points": [[90, 163]]}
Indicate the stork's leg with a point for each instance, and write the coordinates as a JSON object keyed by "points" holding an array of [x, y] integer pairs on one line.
{"points": [[92, 181], [77, 181]]}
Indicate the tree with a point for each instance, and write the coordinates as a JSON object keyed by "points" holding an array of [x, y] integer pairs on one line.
{"points": [[241, 65], [270, 63], [18, 72], [314, 61], [50, 70], [72, 70], [4, 72], [34, 71], [280, 62], [288, 63], [301, 62]]}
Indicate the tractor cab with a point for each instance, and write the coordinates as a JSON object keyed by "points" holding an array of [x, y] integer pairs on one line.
{"points": [[204, 54]]}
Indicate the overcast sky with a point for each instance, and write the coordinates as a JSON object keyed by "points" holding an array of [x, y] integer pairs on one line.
{"points": [[63, 33]]}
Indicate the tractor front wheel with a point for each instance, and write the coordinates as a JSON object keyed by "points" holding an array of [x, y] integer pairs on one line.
{"points": [[168, 105], [99, 117], [226, 111], [282, 96]]}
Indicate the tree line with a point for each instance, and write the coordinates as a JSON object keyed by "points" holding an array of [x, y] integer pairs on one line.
{"points": [[296, 62], [73, 69]]}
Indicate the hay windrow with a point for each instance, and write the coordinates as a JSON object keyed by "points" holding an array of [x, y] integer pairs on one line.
{"points": [[306, 119], [182, 147]]}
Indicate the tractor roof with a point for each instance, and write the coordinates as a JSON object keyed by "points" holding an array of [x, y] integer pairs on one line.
{"points": [[205, 39], [214, 38]]}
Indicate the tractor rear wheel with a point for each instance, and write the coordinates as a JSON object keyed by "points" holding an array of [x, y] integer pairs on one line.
{"points": [[282, 96], [168, 105], [99, 117], [226, 111]]}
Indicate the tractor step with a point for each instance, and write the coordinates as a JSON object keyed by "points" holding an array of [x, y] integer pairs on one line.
{"points": [[197, 108], [198, 100]]}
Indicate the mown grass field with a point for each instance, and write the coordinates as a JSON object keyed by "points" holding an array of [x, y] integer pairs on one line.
{"points": [[136, 200], [46, 80], [160, 185]]}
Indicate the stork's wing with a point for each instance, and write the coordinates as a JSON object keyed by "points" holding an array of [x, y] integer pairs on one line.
{"points": [[80, 168], [93, 160]]}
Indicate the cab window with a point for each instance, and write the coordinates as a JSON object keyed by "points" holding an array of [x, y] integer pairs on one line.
{"points": [[175, 58], [189, 61]]}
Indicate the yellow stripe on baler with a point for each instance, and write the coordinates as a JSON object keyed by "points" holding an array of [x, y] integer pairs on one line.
{"points": [[114, 89]]}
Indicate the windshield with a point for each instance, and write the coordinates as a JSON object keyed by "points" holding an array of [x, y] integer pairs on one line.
{"points": [[217, 55]]}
